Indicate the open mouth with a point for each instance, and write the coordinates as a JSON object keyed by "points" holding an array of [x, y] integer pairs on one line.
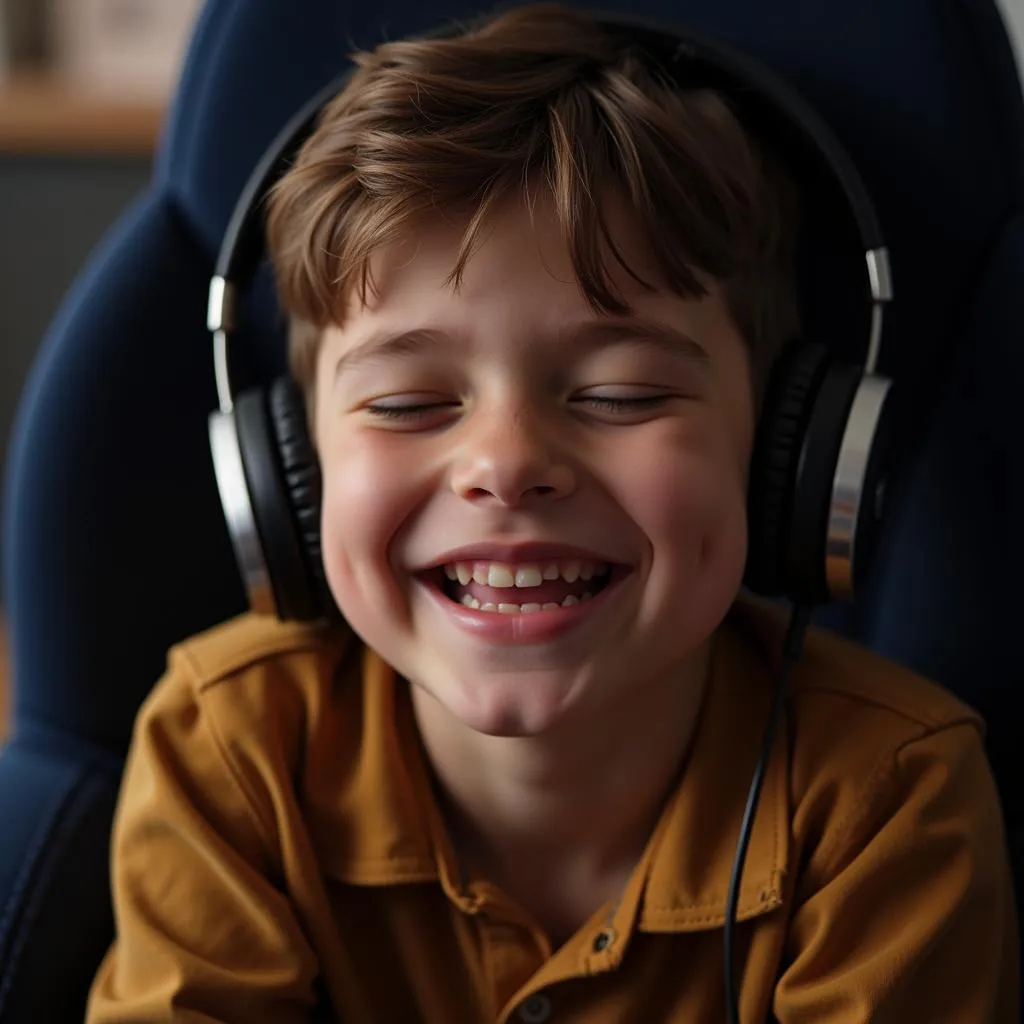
{"points": [[524, 589]]}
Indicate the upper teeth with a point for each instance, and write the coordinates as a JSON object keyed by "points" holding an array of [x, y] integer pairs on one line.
{"points": [[501, 574]]}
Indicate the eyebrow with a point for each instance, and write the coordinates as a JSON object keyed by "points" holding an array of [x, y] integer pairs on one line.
{"points": [[649, 334], [383, 346]]}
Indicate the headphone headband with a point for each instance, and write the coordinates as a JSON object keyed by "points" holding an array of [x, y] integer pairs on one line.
{"points": [[715, 63]]}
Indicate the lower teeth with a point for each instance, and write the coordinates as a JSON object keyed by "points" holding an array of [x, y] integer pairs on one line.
{"points": [[525, 609]]}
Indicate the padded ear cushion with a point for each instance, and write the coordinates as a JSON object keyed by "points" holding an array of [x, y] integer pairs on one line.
{"points": [[775, 463], [301, 469], [271, 507]]}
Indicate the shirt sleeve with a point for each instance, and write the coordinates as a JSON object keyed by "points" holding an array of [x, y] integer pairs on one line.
{"points": [[915, 918], [203, 933]]}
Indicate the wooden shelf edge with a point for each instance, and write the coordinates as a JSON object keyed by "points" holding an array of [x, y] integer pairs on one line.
{"points": [[40, 114]]}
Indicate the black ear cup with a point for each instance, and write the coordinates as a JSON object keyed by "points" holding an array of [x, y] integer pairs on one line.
{"points": [[775, 465], [269, 483], [301, 468], [794, 498]]}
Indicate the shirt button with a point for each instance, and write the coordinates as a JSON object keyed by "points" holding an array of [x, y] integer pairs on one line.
{"points": [[603, 940], [536, 1009]]}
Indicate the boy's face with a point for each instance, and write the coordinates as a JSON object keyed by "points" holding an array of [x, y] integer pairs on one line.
{"points": [[505, 444]]}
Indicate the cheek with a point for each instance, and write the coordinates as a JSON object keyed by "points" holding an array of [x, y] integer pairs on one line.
{"points": [[366, 496], [688, 496]]}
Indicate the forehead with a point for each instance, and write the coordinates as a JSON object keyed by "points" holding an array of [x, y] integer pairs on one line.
{"points": [[521, 245]]}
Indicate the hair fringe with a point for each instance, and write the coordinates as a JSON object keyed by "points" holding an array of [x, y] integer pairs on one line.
{"points": [[537, 97]]}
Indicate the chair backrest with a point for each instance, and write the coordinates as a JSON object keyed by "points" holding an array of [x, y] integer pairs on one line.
{"points": [[114, 543]]}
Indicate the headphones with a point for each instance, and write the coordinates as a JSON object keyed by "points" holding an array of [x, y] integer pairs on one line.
{"points": [[821, 450]]}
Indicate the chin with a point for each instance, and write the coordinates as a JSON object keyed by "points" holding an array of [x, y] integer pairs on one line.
{"points": [[506, 707]]}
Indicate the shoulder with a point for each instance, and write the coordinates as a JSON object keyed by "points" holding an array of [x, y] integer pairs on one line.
{"points": [[255, 643], [898, 880], [869, 741], [839, 683], [256, 687]]}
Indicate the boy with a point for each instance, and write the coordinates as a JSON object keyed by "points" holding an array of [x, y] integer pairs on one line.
{"points": [[535, 291]]}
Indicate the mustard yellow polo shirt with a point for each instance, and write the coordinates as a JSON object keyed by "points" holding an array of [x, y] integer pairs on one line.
{"points": [[279, 856]]}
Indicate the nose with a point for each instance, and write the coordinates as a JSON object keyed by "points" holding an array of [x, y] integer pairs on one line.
{"points": [[510, 458]]}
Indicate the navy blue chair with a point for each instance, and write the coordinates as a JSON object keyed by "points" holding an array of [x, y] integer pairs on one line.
{"points": [[114, 545]]}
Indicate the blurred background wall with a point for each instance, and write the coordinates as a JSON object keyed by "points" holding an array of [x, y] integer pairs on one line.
{"points": [[83, 89]]}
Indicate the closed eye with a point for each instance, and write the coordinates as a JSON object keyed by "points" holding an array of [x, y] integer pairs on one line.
{"points": [[603, 403], [409, 411], [623, 404]]}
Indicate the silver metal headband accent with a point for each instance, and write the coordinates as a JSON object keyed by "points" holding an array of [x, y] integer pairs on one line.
{"points": [[848, 483]]}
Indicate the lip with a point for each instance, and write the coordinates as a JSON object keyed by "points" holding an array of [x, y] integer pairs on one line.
{"points": [[531, 551], [524, 628]]}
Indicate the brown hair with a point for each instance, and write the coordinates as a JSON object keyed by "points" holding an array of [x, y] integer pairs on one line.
{"points": [[538, 94]]}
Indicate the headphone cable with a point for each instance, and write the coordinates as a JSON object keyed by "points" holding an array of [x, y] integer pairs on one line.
{"points": [[791, 646]]}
